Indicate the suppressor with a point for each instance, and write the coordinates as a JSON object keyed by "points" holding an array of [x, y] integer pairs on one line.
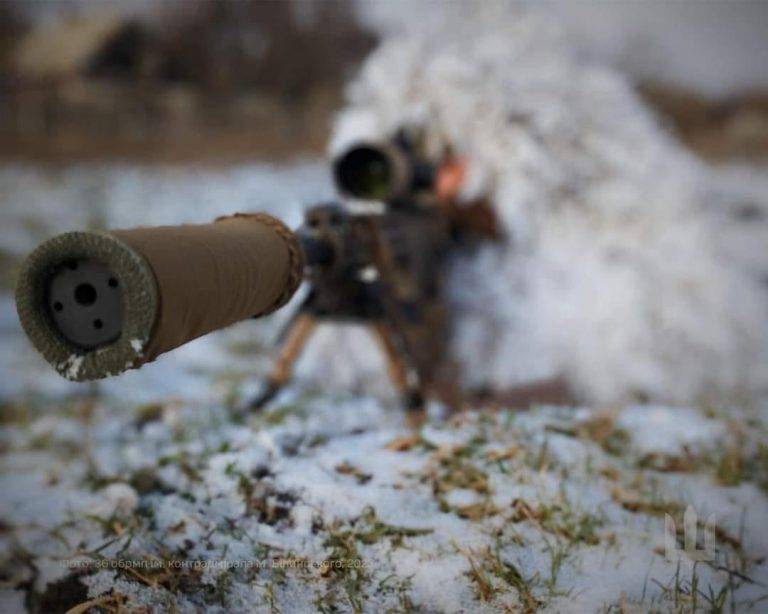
{"points": [[95, 304]]}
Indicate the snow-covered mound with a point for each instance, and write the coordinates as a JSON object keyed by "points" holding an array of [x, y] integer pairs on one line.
{"points": [[631, 269]]}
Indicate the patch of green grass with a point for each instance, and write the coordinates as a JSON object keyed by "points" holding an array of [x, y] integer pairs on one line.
{"points": [[489, 565], [401, 589], [600, 429], [559, 551], [737, 463], [368, 529], [563, 528], [539, 458], [689, 595], [262, 500], [644, 496], [345, 568], [573, 526], [49, 443], [560, 519], [346, 575], [453, 469], [281, 413], [184, 463], [269, 596], [94, 480], [616, 442]]}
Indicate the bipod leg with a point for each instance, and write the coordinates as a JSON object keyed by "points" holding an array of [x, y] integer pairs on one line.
{"points": [[405, 380], [295, 339]]}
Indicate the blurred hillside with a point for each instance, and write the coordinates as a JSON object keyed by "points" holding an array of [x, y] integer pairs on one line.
{"points": [[227, 81], [718, 129], [190, 80]]}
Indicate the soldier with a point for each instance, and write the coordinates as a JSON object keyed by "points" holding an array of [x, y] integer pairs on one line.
{"points": [[386, 270]]}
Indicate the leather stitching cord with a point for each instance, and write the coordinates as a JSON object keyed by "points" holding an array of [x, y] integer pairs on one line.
{"points": [[296, 258]]}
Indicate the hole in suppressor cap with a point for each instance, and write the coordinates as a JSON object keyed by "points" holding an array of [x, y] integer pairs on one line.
{"points": [[86, 303], [85, 295]]}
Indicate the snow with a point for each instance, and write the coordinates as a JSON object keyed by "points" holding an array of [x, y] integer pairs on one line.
{"points": [[204, 516], [115, 499], [71, 366], [664, 430], [193, 501]]}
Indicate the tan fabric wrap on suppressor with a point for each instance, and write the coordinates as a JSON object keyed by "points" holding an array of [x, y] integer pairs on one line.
{"points": [[212, 275]]}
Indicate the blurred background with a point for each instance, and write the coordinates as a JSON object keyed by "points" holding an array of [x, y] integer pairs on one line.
{"points": [[226, 81], [115, 114], [174, 81], [91, 91]]}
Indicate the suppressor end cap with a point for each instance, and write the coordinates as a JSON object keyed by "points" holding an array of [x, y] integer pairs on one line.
{"points": [[138, 295]]}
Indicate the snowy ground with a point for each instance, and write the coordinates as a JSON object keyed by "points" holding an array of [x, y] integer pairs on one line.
{"points": [[149, 490]]}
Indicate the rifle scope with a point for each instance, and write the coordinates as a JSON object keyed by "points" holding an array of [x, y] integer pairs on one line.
{"points": [[95, 304], [383, 172]]}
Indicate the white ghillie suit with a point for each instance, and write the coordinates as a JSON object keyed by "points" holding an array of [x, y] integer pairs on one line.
{"points": [[628, 270]]}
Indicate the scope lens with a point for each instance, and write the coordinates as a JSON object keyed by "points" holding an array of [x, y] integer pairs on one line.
{"points": [[364, 172]]}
